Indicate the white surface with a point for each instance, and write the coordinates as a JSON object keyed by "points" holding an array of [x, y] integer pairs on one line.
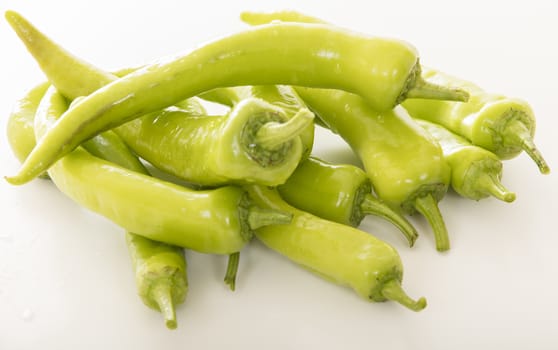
{"points": [[65, 276]]}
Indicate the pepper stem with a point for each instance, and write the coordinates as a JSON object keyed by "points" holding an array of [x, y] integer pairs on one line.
{"points": [[392, 290], [373, 206], [516, 132], [489, 183], [232, 268], [273, 134], [424, 89], [428, 207], [162, 294], [259, 217]]}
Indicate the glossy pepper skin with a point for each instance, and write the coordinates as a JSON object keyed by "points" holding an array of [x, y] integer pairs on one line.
{"points": [[282, 96], [216, 221], [404, 163], [500, 124], [340, 193], [255, 142], [340, 253], [217, 150], [20, 131], [316, 55], [475, 172], [160, 273], [160, 269]]}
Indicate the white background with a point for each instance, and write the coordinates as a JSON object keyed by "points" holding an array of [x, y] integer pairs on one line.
{"points": [[65, 276]]}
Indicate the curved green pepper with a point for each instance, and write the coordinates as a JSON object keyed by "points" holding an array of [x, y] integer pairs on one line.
{"points": [[340, 253], [340, 193], [502, 125], [475, 172], [282, 96], [160, 268], [21, 134], [216, 221], [404, 163], [315, 55], [254, 143]]}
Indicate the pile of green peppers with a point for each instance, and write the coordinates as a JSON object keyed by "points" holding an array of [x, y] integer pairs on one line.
{"points": [[98, 136]]}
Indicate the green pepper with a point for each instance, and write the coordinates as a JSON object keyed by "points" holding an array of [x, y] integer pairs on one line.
{"points": [[315, 55], [340, 253], [340, 193], [502, 125], [160, 271], [254, 143], [21, 134], [404, 162], [216, 221], [160, 268], [282, 96], [475, 172]]}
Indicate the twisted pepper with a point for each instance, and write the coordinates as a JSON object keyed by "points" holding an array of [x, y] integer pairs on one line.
{"points": [[475, 172], [502, 125], [340, 253], [254, 143], [314, 55], [340, 193], [404, 163], [160, 268], [216, 221]]}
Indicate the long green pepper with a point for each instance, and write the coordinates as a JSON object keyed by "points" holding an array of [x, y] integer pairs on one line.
{"points": [[218, 221], [255, 142], [475, 172], [315, 55], [340, 193], [502, 125], [340, 253], [404, 162], [160, 269]]}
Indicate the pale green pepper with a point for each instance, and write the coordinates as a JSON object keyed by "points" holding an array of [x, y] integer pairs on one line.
{"points": [[500, 124], [316, 55]]}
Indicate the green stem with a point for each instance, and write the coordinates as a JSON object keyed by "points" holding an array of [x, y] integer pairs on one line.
{"points": [[489, 183], [428, 207], [392, 290], [372, 205], [424, 89], [516, 133], [162, 294], [232, 268], [273, 134], [259, 217]]}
